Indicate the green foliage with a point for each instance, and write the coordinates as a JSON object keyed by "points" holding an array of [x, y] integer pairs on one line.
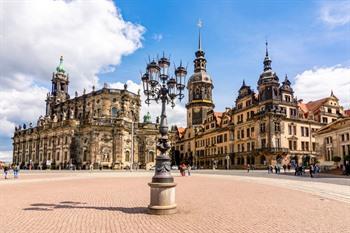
{"points": [[336, 159]]}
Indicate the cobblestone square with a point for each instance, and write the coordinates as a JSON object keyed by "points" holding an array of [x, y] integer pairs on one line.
{"points": [[117, 202]]}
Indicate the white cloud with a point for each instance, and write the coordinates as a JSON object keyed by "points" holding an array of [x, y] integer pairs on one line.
{"points": [[318, 83], [91, 35], [6, 156], [336, 13], [6, 127], [176, 115], [21, 105], [157, 37]]}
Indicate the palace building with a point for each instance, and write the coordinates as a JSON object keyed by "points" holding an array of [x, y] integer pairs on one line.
{"points": [[333, 141], [99, 128], [267, 126]]}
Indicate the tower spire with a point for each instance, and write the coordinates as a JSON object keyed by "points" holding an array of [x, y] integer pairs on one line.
{"points": [[199, 61], [199, 24], [267, 60]]}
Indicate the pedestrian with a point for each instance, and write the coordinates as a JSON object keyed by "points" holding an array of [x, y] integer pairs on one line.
{"points": [[182, 169], [316, 169], [15, 171], [311, 171], [284, 168], [248, 168], [347, 168], [5, 171], [189, 170], [268, 169], [276, 169], [288, 166]]}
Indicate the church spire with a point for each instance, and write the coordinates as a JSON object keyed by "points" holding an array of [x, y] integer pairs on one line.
{"points": [[267, 60], [199, 24], [199, 61]]}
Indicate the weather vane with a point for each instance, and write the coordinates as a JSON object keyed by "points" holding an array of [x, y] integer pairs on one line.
{"points": [[199, 24]]}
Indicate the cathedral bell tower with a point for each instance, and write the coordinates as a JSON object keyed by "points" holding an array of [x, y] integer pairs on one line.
{"points": [[199, 89], [59, 90]]}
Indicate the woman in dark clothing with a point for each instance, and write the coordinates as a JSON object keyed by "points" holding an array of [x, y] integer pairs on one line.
{"points": [[6, 171]]}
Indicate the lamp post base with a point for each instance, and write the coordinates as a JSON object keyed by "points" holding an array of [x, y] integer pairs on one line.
{"points": [[162, 199]]}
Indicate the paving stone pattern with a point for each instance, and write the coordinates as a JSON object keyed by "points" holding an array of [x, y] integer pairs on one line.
{"points": [[117, 202]]}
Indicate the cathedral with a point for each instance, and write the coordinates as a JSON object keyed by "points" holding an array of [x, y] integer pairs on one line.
{"points": [[99, 129], [265, 127]]}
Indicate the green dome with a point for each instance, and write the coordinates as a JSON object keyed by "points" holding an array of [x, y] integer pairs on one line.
{"points": [[147, 118], [60, 68]]}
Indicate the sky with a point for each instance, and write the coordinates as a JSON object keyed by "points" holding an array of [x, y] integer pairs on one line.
{"points": [[110, 42]]}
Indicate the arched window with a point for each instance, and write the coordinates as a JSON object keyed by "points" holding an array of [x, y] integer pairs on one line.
{"points": [[114, 112], [151, 156], [127, 156], [85, 156]]}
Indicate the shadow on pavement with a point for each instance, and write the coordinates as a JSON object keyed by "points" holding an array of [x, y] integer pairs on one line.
{"points": [[80, 205]]}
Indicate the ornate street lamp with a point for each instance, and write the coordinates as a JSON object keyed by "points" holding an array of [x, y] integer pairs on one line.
{"points": [[159, 86]]}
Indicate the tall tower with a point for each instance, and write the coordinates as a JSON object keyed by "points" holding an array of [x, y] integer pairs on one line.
{"points": [[200, 88], [59, 90], [268, 84]]}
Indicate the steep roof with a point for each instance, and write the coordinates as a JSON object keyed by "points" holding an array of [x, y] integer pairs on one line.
{"points": [[181, 131], [313, 105], [303, 107], [347, 112]]}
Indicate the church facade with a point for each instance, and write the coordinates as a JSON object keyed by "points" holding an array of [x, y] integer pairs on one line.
{"points": [[269, 126], [100, 129]]}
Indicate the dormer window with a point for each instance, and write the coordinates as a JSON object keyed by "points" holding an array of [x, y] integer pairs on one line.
{"points": [[287, 98]]}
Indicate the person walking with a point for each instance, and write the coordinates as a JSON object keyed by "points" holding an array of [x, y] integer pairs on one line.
{"points": [[296, 170], [6, 169], [347, 168], [248, 168], [288, 166], [189, 170], [284, 168], [182, 169], [15, 171], [311, 171]]}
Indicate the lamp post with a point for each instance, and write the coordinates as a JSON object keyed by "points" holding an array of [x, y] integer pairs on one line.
{"points": [[159, 86]]}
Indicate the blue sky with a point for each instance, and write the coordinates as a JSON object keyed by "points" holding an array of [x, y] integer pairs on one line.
{"points": [[308, 40], [234, 34]]}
